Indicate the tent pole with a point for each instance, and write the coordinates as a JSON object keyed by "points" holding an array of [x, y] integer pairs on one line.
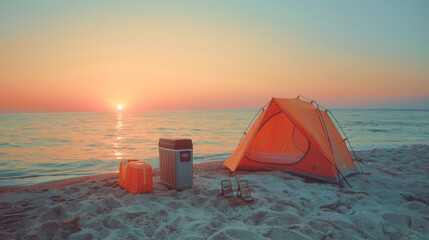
{"points": [[323, 122], [359, 160], [330, 144], [343, 177], [299, 96], [257, 114]]}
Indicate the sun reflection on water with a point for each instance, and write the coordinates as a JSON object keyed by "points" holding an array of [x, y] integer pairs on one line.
{"points": [[119, 126]]}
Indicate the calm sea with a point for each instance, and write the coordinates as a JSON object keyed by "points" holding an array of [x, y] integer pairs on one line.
{"points": [[42, 147]]}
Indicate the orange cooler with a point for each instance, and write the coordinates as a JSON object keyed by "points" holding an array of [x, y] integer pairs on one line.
{"points": [[135, 176]]}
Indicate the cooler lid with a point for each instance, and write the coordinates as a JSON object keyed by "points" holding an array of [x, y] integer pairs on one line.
{"points": [[175, 143]]}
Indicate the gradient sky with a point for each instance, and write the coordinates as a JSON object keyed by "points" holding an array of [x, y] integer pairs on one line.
{"points": [[61, 56]]}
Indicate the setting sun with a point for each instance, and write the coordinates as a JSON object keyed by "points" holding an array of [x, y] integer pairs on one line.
{"points": [[119, 107]]}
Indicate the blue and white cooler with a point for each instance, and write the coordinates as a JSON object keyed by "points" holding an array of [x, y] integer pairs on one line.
{"points": [[175, 163]]}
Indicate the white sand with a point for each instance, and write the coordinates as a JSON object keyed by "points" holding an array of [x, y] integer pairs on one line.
{"points": [[389, 201]]}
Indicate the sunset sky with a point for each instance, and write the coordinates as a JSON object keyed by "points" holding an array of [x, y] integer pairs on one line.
{"points": [[76, 56]]}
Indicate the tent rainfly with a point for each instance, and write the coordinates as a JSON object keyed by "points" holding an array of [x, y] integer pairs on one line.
{"points": [[297, 136]]}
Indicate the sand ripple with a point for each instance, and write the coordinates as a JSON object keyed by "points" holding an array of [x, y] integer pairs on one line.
{"points": [[389, 201]]}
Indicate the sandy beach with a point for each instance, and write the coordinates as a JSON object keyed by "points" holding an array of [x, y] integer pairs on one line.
{"points": [[389, 201]]}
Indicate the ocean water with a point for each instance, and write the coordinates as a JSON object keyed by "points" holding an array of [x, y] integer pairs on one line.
{"points": [[42, 147]]}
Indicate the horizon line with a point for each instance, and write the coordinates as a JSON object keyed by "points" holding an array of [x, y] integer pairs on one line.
{"points": [[208, 110]]}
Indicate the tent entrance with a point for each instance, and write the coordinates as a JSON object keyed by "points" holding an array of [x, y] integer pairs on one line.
{"points": [[278, 141]]}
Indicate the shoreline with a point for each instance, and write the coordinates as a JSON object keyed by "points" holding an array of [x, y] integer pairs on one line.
{"points": [[52, 184]]}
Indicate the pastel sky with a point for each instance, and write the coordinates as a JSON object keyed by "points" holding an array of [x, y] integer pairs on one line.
{"points": [[62, 56]]}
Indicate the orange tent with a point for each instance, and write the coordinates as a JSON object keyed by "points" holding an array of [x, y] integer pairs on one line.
{"points": [[294, 135]]}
